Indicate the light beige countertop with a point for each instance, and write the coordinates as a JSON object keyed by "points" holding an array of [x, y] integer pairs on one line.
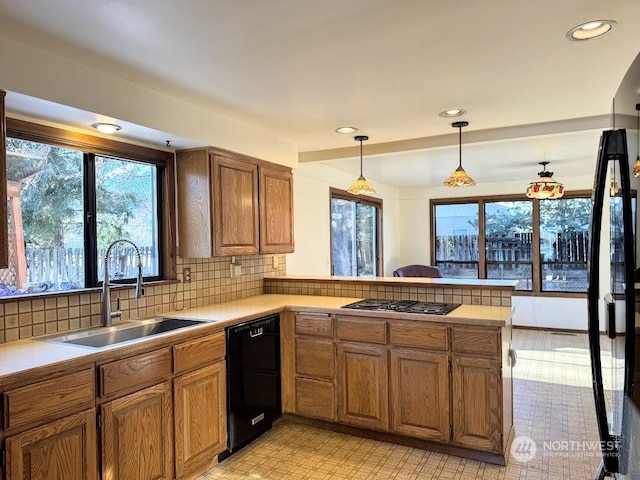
{"points": [[23, 355], [404, 281], [253, 307]]}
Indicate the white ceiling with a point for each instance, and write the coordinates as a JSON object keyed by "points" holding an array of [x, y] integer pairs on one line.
{"points": [[301, 68], [570, 155]]}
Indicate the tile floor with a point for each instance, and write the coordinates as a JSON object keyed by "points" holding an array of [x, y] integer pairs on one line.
{"points": [[553, 402]]}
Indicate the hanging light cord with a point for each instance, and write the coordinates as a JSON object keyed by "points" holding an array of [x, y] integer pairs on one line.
{"points": [[360, 157], [460, 146], [638, 131]]}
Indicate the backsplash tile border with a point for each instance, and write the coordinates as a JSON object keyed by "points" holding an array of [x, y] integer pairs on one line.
{"points": [[391, 292]]}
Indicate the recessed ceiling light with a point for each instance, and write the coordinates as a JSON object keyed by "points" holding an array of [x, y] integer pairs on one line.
{"points": [[454, 112], [592, 29], [107, 128], [346, 130]]}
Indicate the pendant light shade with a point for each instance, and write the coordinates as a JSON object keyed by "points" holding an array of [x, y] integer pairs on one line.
{"points": [[545, 186], [361, 186], [636, 167], [459, 178]]}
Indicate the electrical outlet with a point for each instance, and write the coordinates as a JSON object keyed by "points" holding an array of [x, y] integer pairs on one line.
{"points": [[186, 275], [274, 261], [235, 270]]}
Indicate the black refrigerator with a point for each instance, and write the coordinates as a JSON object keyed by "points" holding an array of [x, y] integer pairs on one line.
{"points": [[613, 329]]}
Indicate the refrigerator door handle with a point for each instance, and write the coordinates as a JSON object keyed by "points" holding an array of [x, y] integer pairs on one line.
{"points": [[611, 316]]}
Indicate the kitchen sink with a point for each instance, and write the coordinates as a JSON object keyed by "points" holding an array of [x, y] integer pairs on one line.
{"points": [[102, 337]]}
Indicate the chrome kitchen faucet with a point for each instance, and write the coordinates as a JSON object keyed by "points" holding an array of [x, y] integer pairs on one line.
{"points": [[107, 314]]}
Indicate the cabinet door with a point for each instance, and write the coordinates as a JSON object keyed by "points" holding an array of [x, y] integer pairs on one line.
{"points": [[200, 417], [235, 206], [315, 358], [137, 436], [62, 450], [363, 398], [476, 403], [195, 221], [316, 399], [276, 210], [420, 394]]}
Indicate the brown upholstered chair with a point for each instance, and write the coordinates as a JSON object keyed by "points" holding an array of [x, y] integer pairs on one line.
{"points": [[418, 271]]}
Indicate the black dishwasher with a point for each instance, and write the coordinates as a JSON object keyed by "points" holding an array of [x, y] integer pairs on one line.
{"points": [[253, 380]]}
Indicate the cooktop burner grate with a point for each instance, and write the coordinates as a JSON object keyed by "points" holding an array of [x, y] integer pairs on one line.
{"points": [[406, 306]]}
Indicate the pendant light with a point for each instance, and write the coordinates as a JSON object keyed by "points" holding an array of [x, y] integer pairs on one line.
{"points": [[545, 186], [459, 178], [361, 186], [636, 167]]}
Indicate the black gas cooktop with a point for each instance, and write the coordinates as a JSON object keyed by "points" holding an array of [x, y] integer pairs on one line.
{"points": [[406, 306]]}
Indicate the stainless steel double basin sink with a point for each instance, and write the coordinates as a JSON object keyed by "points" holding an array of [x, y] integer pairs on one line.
{"points": [[105, 336]]}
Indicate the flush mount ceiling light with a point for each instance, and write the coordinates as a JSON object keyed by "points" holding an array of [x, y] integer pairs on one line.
{"points": [[459, 178], [107, 128], [454, 112], [361, 186], [589, 30], [346, 130], [545, 187], [636, 167]]}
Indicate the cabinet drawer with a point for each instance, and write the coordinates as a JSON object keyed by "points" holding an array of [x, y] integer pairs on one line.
{"points": [[131, 374], [421, 335], [316, 399], [315, 325], [49, 400], [362, 329], [480, 341], [198, 353], [315, 357]]}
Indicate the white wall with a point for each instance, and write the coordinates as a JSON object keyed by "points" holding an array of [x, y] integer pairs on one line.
{"points": [[550, 312], [312, 220], [41, 74]]}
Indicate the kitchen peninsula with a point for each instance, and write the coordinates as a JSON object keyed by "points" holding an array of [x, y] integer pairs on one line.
{"points": [[436, 382]]}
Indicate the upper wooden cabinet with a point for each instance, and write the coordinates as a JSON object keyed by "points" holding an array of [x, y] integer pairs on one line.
{"points": [[235, 206], [4, 242], [232, 205], [276, 210]]}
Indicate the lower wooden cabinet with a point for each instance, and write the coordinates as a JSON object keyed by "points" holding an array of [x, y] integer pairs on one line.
{"points": [[477, 403], [363, 386], [62, 450], [200, 418], [316, 398], [137, 435], [420, 394]]}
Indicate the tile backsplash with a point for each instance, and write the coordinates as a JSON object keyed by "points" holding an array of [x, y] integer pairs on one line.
{"points": [[342, 288], [210, 283]]}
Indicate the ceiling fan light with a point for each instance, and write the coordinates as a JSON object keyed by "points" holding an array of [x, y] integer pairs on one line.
{"points": [[545, 187]]}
